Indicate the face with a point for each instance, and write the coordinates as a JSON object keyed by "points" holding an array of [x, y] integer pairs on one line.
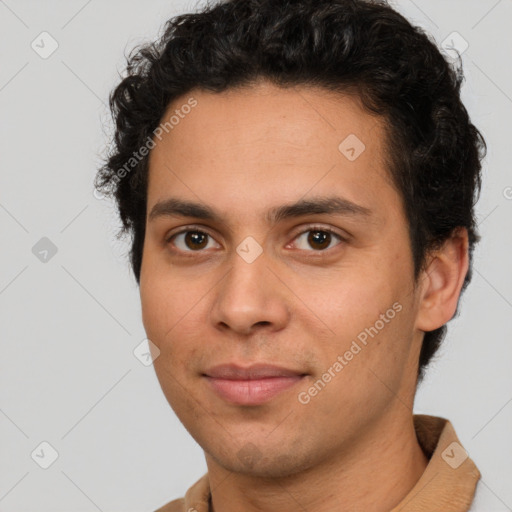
{"points": [[326, 292]]}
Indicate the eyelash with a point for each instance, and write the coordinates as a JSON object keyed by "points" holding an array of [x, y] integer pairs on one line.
{"points": [[192, 229]]}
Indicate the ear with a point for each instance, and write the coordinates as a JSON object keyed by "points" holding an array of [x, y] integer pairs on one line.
{"points": [[441, 282]]}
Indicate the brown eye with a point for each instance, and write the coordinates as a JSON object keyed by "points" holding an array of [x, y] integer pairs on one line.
{"points": [[195, 240], [318, 239], [191, 240]]}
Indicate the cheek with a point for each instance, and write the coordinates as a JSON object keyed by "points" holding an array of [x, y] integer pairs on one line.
{"points": [[162, 296], [173, 312], [166, 316], [154, 311], [353, 299], [367, 309], [162, 307]]}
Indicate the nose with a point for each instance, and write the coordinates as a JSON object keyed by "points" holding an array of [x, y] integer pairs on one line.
{"points": [[250, 297]]}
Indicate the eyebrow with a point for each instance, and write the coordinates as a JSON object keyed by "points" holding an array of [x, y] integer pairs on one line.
{"points": [[175, 207]]}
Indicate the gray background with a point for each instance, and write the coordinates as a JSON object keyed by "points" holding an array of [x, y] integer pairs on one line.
{"points": [[69, 325]]}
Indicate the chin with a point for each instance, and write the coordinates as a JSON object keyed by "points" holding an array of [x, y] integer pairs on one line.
{"points": [[250, 461]]}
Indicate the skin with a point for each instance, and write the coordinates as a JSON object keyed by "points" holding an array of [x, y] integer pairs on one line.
{"points": [[242, 152]]}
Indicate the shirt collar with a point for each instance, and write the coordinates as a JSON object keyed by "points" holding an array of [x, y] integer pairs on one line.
{"points": [[450, 478], [448, 482]]}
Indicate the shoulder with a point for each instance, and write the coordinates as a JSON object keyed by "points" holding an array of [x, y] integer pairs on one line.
{"points": [[196, 498], [173, 506]]}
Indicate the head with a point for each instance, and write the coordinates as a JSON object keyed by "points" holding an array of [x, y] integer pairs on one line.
{"points": [[253, 105]]}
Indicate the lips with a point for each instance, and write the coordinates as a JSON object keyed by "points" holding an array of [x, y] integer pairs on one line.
{"points": [[253, 385], [256, 371]]}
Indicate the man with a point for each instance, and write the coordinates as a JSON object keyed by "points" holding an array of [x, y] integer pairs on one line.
{"points": [[299, 180]]}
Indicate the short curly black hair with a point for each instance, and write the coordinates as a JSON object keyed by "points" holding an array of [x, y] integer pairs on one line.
{"points": [[434, 152]]}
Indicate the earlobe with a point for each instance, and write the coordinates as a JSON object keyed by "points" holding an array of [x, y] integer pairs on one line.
{"points": [[441, 282]]}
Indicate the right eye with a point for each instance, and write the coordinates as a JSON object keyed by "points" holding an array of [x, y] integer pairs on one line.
{"points": [[189, 240]]}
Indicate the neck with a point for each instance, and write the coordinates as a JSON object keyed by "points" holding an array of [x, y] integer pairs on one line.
{"points": [[373, 475]]}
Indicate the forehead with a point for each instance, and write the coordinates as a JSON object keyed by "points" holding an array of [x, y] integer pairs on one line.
{"points": [[244, 148]]}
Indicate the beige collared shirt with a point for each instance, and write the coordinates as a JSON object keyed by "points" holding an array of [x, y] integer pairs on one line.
{"points": [[447, 484]]}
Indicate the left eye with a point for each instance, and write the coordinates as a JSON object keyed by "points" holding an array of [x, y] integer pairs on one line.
{"points": [[319, 239]]}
